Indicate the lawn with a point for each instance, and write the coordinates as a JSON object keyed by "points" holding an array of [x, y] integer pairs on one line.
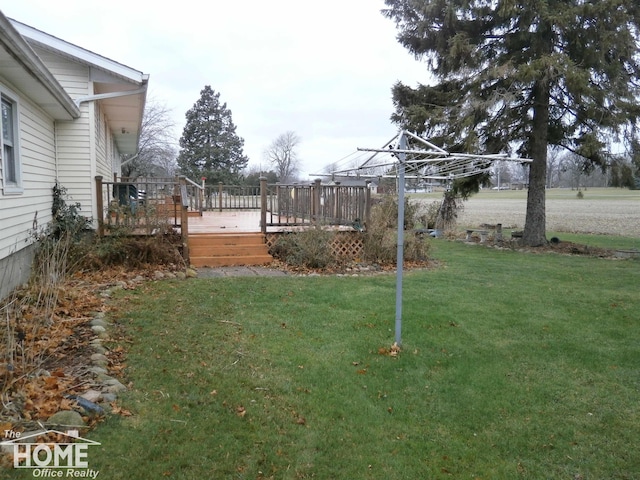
{"points": [[513, 365]]}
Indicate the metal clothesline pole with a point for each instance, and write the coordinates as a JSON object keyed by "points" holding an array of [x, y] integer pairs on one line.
{"points": [[449, 166], [400, 247]]}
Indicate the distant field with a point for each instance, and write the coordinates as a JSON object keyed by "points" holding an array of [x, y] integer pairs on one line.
{"points": [[608, 211]]}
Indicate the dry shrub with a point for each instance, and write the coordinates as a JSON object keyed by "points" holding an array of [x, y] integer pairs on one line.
{"points": [[306, 248], [448, 210], [380, 237], [133, 251]]}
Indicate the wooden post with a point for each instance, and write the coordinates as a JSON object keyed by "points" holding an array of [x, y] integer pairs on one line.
{"points": [[263, 205], [367, 204], [100, 205], [315, 204], [219, 196], [499, 233], [184, 219], [336, 201], [295, 212]]}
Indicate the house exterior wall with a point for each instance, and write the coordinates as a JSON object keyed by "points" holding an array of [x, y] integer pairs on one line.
{"points": [[21, 211], [85, 146], [74, 138], [55, 141]]}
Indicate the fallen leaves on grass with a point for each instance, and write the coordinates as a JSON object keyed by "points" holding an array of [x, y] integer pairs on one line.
{"points": [[118, 410], [47, 343], [393, 351]]}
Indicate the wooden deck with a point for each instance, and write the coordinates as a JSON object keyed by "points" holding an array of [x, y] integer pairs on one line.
{"points": [[228, 221], [236, 221]]}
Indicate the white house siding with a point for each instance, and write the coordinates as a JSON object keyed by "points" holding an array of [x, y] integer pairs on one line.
{"points": [[19, 213], [104, 164], [76, 160]]}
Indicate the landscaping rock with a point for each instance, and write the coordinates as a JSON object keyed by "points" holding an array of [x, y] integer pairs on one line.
{"points": [[103, 377], [98, 322], [99, 349], [91, 395], [114, 386], [97, 329], [66, 418], [109, 397], [99, 358], [191, 273], [98, 370]]}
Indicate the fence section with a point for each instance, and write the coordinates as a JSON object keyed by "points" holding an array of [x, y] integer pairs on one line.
{"points": [[230, 197], [143, 206], [299, 205]]}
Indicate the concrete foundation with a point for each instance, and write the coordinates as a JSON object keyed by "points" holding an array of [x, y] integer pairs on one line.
{"points": [[15, 270]]}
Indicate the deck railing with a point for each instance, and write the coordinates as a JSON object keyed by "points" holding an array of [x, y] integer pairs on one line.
{"points": [[231, 197], [144, 206], [314, 204]]}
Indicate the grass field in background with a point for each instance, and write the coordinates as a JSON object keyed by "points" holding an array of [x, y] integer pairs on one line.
{"points": [[598, 193], [513, 365]]}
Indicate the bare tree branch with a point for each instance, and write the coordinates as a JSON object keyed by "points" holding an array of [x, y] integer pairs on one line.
{"points": [[156, 150], [283, 157]]}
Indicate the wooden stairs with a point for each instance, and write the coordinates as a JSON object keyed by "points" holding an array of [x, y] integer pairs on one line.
{"points": [[228, 249]]}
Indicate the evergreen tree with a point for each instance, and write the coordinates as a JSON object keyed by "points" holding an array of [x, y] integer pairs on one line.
{"points": [[514, 75], [209, 146]]}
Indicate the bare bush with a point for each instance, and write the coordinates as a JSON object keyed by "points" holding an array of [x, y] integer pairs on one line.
{"points": [[380, 237]]}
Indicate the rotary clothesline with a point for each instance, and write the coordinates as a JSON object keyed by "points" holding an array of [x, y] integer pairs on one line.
{"points": [[428, 161], [421, 158]]}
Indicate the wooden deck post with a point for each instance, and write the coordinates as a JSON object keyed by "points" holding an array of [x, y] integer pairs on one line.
{"points": [[315, 206], [367, 203], [100, 205], [220, 184], [263, 205], [184, 218]]}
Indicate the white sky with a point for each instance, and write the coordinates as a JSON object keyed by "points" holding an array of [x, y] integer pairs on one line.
{"points": [[321, 69]]}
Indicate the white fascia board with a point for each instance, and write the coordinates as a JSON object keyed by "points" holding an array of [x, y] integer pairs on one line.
{"points": [[79, 53], [24, 54]]}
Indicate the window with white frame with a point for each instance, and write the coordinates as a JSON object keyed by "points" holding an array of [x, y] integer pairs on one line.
{"points": [[11, 172]]}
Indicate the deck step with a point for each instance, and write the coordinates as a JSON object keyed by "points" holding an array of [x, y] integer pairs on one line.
{"points": [[228, 249]]}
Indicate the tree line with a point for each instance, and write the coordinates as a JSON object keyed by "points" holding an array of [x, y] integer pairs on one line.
{"points": [[523, 78], [210, 148]]}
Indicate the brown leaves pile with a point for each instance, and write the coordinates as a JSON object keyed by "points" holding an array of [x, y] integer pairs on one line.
{"points": [[394, 351], [54, 336]]}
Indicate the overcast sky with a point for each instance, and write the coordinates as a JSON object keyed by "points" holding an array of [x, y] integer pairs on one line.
{"points": [[323, 69]]}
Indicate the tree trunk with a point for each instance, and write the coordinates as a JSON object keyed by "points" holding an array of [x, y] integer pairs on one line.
{"points": [[535, 223]]}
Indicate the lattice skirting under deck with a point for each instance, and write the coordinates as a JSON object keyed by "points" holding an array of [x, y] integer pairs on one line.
{"points": [[345, 245]]}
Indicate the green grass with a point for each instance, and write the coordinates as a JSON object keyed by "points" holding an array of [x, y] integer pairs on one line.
{"points": [[611, 242], [513, 366]]}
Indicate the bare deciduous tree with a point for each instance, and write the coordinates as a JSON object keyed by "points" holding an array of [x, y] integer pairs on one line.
{"points": [[282, 156], [156, 150]]}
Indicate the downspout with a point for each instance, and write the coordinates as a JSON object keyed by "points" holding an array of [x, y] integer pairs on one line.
{"points": [[103, 96]]}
